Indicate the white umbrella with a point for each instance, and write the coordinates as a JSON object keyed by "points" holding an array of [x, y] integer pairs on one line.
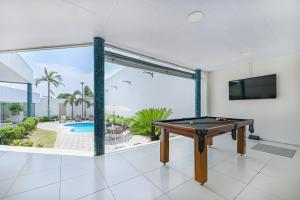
{"points": [[114, 108]]}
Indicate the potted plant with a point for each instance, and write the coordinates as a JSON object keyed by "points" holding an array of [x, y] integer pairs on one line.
{"points": [[16, 110]]}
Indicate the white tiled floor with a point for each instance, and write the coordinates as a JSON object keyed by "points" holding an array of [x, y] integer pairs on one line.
{"points": [[138, 174]]}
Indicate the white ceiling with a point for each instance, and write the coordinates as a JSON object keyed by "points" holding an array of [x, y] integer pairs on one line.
{"points": [[158, 28]]}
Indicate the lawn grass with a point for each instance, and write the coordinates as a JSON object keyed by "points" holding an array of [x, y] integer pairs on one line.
{"points": [[44, 137]]}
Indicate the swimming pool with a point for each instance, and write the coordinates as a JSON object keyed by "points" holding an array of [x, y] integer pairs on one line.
{"points": [[82, 127]]}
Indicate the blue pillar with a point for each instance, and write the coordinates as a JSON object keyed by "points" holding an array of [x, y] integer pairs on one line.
{"points": [[198, 93], [29, 100], [99, 131]]}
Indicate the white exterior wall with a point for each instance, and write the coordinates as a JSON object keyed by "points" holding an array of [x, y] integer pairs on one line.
{"points": [[77, 111], [275, 119], [146, 92], [41, 108], [12, 95]]}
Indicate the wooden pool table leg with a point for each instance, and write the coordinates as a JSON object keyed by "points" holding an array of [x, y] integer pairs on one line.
{"points": [[200, 161], [164, 146], [210, 141], [241, 140]]}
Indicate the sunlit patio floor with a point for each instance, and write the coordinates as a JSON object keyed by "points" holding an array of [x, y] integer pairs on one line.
{"points": [[137, 174], [68, 140]]}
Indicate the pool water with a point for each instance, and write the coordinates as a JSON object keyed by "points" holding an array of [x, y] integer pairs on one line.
{"points": [[81, 127]]}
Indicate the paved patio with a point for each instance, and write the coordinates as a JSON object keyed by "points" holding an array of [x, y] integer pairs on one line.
{"points": [[85, 141], [137, 174]]}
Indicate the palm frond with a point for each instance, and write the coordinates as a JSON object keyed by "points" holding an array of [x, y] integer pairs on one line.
{"points": [[77, 92]]}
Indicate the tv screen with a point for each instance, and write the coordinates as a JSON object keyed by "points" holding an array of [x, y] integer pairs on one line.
{"points": [[262, 87]]}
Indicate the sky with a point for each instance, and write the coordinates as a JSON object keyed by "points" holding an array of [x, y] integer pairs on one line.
{"points": [[75, 65]]}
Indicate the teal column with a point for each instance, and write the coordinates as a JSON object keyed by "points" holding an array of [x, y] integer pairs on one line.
{"points": [[29, 100], [99, 130], [198, 93]]}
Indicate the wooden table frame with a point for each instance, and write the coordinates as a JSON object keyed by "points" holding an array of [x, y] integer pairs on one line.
{"points": [[200, 154]]}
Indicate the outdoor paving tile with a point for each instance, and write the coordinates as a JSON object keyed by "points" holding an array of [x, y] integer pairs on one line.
{"points": [[147, 163], [192, 190], [164, 197], [78, 169], [250, 193], [248, 161], [101, 195], [136, 189], [41, 162], [223, 185], [4, 186], [277, 187], [14, 157], [238, 172], [68, 160], [27, 182], [49, 192], [115, 169], [82, 186], [166, 178], [184, 166], [280, 172], [8, 170]]}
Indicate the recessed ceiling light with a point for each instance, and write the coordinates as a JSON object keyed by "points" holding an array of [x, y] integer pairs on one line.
{"points": [[196, 16]]}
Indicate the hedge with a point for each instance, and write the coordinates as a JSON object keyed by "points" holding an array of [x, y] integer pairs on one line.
{"points": [[10, 133], [29, 124]]}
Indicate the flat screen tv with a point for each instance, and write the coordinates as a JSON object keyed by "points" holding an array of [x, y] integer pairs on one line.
{"points": [[262, 87]]}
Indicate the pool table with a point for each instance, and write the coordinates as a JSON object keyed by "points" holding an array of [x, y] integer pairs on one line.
{"points": [[202, 130]]}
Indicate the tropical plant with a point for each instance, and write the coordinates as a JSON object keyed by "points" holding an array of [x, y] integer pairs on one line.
{"points": [[15, 108], [51, 78], [63, 95], [141, 122], [71, 99], [117, 119], [7, 120], [84, 99]]}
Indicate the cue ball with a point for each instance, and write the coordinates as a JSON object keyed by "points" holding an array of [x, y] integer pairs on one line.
{"points": [[191, 122]]}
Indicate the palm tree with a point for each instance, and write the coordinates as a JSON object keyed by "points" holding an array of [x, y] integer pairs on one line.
{"points": [[51, 78], [84, 99], [71, 99]]}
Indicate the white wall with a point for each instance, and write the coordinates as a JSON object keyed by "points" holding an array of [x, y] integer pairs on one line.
{"points": [[146, 92], [12, 95], [41, 108], [275, 119]]}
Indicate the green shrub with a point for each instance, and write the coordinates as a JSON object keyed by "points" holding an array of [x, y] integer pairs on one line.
{"points": [[26, 143], [16, 142], [10, 133], [8, 120], [25, 117], [15, 108], [40, 145], [29, 124], [140, 124], [116, 119], [53, 118], [48, 119], [44, 119]]}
